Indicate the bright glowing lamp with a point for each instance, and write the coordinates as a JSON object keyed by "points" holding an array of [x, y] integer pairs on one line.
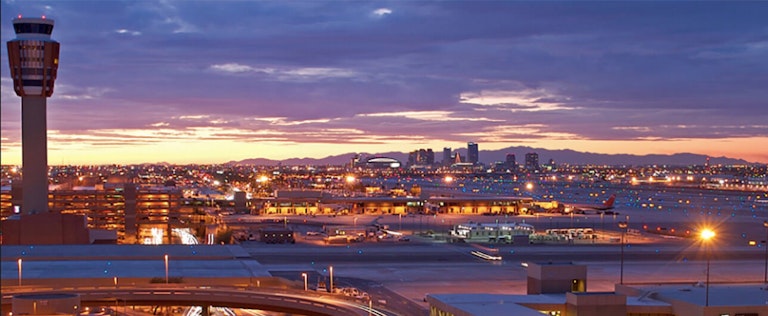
{"points": [[707, 234]]}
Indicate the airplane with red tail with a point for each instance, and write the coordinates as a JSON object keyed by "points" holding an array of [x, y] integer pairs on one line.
{"points": [[583, 208]]}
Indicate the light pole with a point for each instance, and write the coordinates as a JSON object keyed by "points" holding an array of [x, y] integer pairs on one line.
{"points": [[706, 235], [166, 269], [330, 269], [602, 221], [304, 275], [765, 245], [370, 306], [19, 262], [623, 226]]}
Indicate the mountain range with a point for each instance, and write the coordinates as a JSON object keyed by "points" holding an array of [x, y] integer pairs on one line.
{"points": [[562, 156]]}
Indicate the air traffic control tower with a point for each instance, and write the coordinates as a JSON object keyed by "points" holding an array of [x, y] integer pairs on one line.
{"points": [[34, 60]]}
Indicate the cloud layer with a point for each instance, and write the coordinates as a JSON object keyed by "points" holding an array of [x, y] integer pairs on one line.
{"points": [[269, 76]]}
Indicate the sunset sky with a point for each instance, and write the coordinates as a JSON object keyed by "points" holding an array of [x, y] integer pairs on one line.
{"points": [[215, 81]]}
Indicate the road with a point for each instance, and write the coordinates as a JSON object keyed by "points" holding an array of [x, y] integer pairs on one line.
{"points": [[381, 297], [418, 252], [403, 273]]}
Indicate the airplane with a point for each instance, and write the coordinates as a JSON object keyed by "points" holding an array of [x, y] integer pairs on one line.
{"points": [[582, 208]]}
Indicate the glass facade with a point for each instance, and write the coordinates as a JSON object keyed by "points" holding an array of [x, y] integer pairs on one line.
{"points": [[33, 28]]}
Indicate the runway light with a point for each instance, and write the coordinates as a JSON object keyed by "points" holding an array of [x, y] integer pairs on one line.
{"points": [[707, 234]]}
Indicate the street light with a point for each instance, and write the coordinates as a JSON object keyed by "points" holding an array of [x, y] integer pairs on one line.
{"points": [[166, 269], [705, 236], [304, 275], [623, 226], [330, 268], [19, 261], [765, 245], [602, 222]]}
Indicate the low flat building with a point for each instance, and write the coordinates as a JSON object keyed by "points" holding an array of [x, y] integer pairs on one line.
{"points": [[493, 232], [476, 205], [551, 292]]}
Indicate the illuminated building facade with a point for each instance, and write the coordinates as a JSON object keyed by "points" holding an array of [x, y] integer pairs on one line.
{"points": [[532, 162], [134, 214], [480, 205], [421, 157]]}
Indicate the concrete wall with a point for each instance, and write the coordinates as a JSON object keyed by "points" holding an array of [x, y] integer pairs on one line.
{"points": [[554, 277], [243, 282], [131, 229], [595, 304], [45, 304], [46, 229]]}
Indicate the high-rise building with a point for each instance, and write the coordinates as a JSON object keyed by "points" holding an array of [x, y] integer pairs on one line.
{"points": [[34, 61], [447, 161], [510, 162], [473, 155], [355, 161], [532, 161], [421, 157], [551, 165]]}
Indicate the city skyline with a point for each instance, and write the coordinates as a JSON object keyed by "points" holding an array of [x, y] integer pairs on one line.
{"points": [[198, 82]]}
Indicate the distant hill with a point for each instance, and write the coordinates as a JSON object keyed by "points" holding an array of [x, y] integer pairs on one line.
{"points": [[330, 160], [490, 156], [581, 158]]}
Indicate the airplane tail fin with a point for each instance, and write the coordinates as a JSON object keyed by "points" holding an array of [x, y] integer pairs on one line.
{"points": [[609, 202]]}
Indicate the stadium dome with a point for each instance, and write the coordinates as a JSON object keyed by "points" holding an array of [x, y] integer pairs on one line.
{"points": [[382, 162]]}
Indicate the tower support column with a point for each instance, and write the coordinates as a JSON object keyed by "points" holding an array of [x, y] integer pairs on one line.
{"points": [[34, 155]]}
